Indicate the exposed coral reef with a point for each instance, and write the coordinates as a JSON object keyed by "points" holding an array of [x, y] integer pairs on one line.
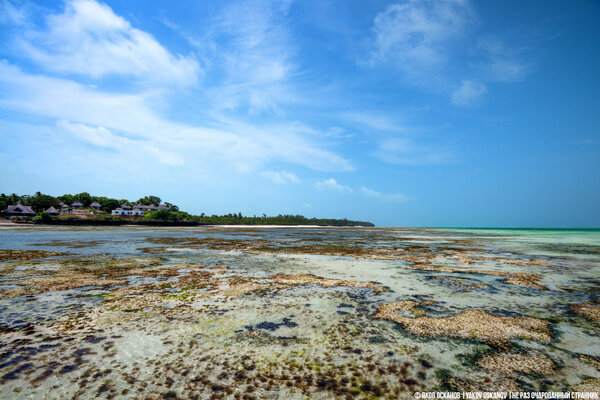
{"points": [[473, 324], [307, 279], [589, 311], [508, 363], [6, 255]]}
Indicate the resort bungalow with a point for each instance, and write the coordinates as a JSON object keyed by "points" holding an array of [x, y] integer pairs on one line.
{"points": [[95, 205], [19, 210], [125, 206], [127, 212], [76, 204], [144, 208], [52, 211], [63, 207], [163, 207]]}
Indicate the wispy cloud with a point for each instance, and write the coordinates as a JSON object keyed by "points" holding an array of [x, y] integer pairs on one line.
{"points": [[9, 14], [392, 197], [426, 41], [333, 186], [101, 137], [94, 135], [374, 121], [89, 39], [280, 177], [468, 93], [249, 53], [413, 35], [405, 152], [246, 146], [499, 61]]}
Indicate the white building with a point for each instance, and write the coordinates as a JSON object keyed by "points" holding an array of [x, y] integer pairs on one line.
{"points": [[138, 210], [127, 211]]}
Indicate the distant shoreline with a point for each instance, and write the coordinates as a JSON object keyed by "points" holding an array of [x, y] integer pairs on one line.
{"points": [[125, 223]]}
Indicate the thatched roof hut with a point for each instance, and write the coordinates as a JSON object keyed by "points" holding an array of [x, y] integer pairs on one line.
{"points": [[19, 209], [52, 211]]}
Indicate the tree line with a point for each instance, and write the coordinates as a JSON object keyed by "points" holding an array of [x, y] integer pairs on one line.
{"points": [[239, 219], [40, 202]]}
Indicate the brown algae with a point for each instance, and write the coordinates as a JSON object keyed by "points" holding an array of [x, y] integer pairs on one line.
{"points": [[589, 311], [472, 324], [307, 279], [508, 363], [7, 255]]}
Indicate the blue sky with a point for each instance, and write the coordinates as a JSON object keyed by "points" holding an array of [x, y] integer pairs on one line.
{"points": [[410, 113]]}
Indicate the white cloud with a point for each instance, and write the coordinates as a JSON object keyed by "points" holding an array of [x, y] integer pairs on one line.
{"points": [[97, 136], [10, 14], [165, 157], [373, 121], [248, 47], [96, 115], [89, 39], [404, 151], [468, 93], [331, 185], [500, 62], [102, 137], [392, 197], [280, 177], [412, 35]]}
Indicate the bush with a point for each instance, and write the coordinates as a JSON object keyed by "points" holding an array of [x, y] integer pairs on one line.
{"points": [[44, 217], [165, 215]]}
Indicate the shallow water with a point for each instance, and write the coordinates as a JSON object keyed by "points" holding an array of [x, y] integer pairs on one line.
{"points": [[205, 312]]}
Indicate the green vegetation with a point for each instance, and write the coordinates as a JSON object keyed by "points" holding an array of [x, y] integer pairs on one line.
{"points": [[166, 215], [150, 200], [44, 217], [239, 219], [40, 202]]}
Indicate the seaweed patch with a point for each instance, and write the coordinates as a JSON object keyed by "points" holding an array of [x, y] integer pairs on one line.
{"points": [[472, 324]]}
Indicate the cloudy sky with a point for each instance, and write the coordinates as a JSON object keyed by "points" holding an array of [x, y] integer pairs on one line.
{"points": [[410, 113]]}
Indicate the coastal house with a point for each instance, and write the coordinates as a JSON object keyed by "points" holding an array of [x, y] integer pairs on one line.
{"points": [[64, 208], [146, 208], [76, 204], [127, 212], [95, 205], [52, 211], [125, 206], [19, 210]]}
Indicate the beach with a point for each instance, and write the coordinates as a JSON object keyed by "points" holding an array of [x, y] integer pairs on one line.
{"points": [[296, 312]]}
